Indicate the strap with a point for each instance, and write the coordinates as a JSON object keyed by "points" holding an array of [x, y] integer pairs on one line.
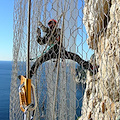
{"points": [[49, 47]]}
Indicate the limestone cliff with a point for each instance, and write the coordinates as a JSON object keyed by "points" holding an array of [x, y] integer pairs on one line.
{"points": [[102, 95]]}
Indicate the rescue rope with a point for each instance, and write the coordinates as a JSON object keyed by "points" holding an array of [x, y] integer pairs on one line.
{"points": [[58, 67]]}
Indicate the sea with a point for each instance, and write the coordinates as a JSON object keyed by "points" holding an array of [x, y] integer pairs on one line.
{"points": [[5, 81]]}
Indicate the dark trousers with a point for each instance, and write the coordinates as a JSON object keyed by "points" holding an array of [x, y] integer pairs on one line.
{"points": [[53, 53]]}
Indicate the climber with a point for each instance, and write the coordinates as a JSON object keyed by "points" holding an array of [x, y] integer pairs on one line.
{"points": [[52, 38], [53, 52]]}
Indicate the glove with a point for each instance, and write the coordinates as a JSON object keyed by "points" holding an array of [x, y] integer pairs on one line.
{"points": [[40, 24]]}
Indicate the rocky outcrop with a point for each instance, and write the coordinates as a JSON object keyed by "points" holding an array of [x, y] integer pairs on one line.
{"points": [[102, 95], [96, 17]]}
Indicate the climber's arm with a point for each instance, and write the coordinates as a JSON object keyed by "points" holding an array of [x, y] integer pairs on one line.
{"points": [[41, 40], [44, 28]]}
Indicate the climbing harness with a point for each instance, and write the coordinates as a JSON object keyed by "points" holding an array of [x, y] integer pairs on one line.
{"points": [[26, 89]]}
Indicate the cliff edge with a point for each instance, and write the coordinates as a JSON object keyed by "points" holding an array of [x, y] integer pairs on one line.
{"points": [[102, 95]]}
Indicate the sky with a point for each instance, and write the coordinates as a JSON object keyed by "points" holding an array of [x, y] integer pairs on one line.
{"points": [[6, 29]]}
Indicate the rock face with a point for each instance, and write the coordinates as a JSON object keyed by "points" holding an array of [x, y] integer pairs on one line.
{"points": [[102, 95]]}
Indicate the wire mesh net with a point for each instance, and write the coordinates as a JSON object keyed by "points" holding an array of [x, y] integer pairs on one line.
{"points": [[74, 65]]}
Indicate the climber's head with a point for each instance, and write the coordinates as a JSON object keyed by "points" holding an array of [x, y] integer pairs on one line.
{"points": [[52, 23]]}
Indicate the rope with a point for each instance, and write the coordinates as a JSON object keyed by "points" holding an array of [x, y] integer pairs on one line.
{"points": [[58, 67]]}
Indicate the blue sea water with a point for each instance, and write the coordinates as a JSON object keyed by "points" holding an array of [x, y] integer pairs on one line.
{"points": [[5, 80]]}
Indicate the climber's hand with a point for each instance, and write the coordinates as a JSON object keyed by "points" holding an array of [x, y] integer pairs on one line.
{"points": [[40, 24]]}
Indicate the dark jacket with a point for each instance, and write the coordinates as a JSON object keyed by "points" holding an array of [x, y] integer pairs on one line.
{"points": [[53, 37]]}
